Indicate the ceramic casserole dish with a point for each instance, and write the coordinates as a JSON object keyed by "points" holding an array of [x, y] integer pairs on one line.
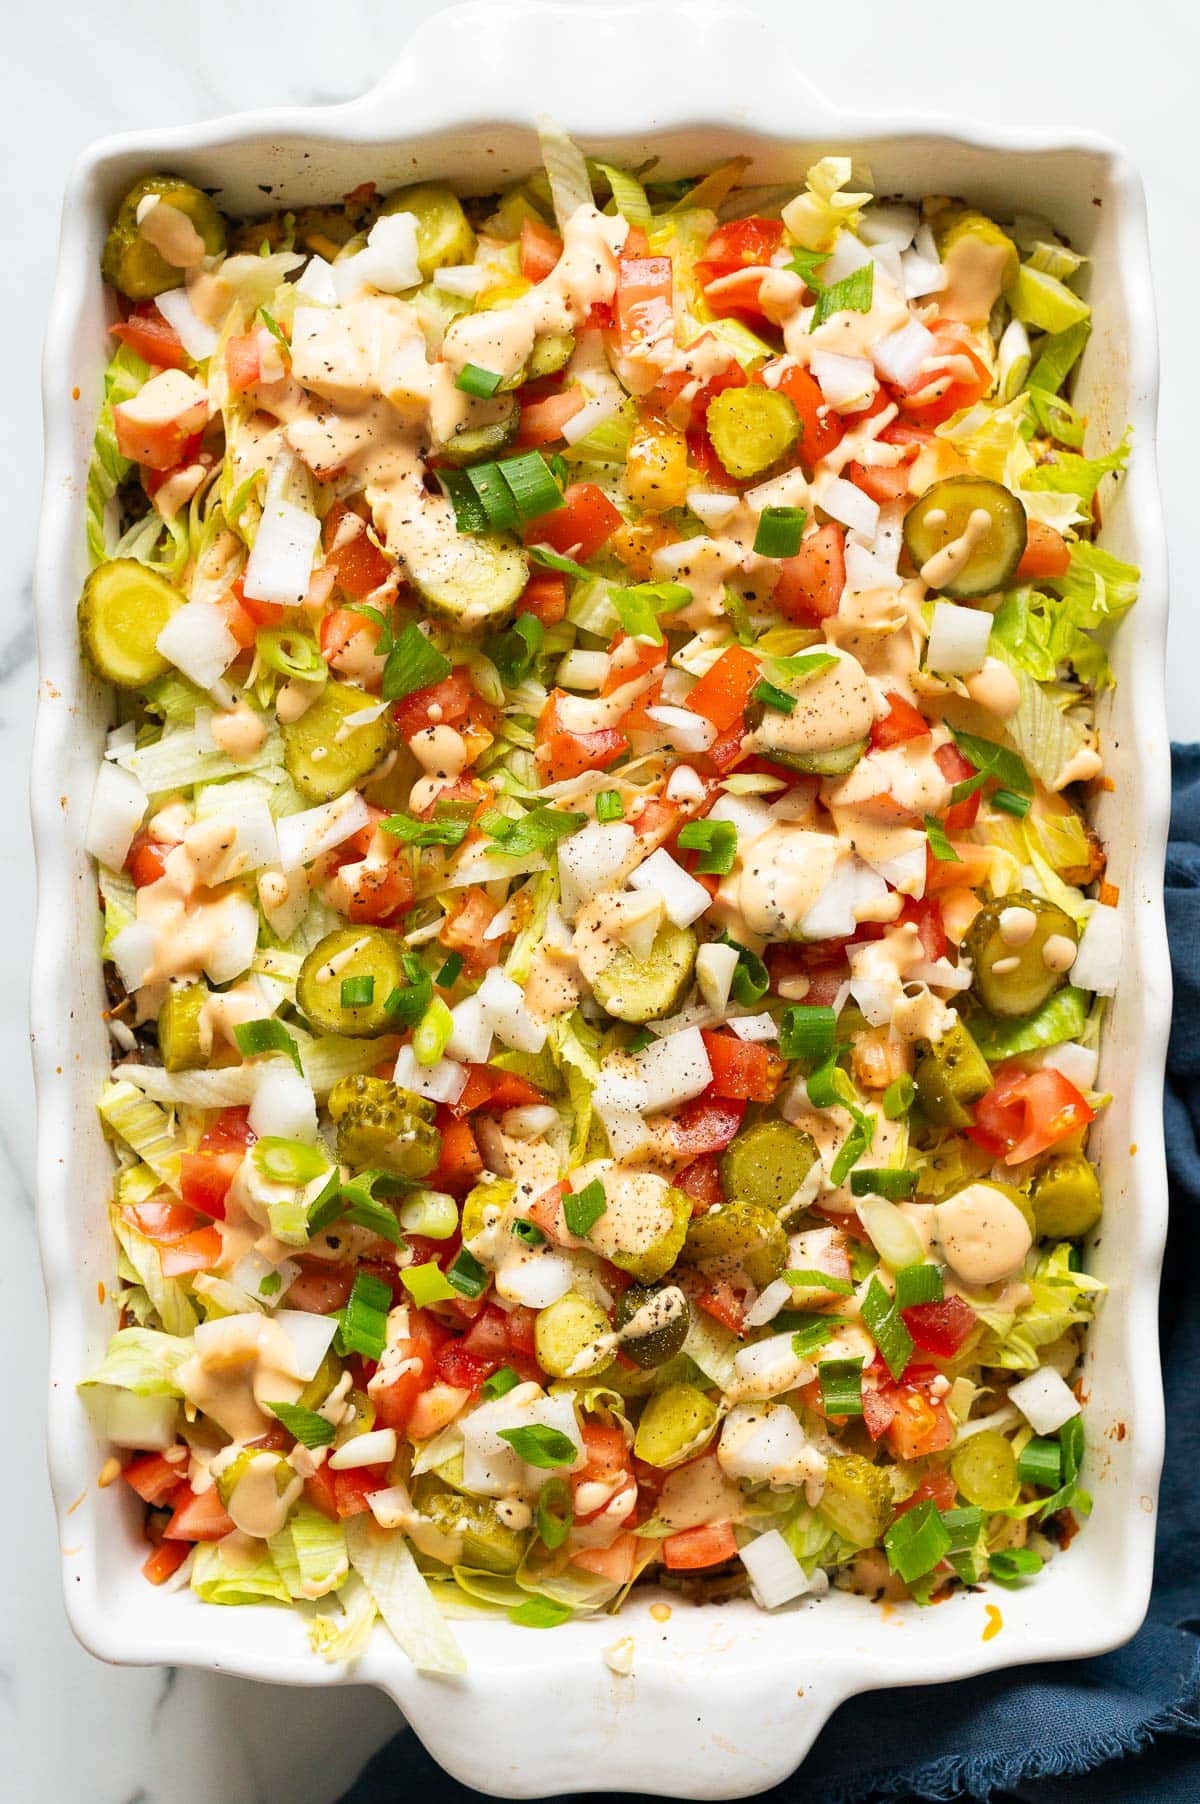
{"points": [[723, 1702]]}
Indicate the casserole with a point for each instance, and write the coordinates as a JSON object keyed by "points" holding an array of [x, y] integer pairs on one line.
{"points": [[735, 1671]]}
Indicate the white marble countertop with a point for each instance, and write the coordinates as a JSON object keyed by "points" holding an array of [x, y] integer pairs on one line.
{"points": [[70, 1728]]}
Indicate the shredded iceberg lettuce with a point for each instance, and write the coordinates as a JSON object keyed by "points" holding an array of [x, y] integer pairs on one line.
{"points": [[1061, 1299], [108, 469], [386, 1566], [143, 1361], [826, 207], [1062, 1017]]}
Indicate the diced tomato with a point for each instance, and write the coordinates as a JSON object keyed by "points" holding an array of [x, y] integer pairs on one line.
{"points": [[919, 1425], [809, 586], [742, 1068], [1026, 1112], [242, 365], [617, 1562], [466, 1371], [164, 1560], [692, 1548], [722, 692], [707, 1124], [374, 889], [546, 1213], [239, 620], [205, 1179], [580, 527], [159, 443], [199, 1516], [352, 1489], [545, 597], [820, 427], [231, 1129], [937, 1488], [632, 659], [740, 244], [926, 916], [542, 423], [495, 1091], [901, 723], [424, 1344], [153, 1478], [643, 304], [1046, 554], [726, 1305], [701, 1180], [339, 628], [960, 816], [882, 482], [878, 1411], [936, 394], [321, 1287], [539, 251], [605, 1454], [147, 860], [148, 334], [940, 1328], [561, 754], [463, 929], [452, 696], [194, 1252], [359, 565], [460, 1162]]}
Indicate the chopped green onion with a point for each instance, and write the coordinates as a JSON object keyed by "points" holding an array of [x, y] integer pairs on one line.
{"points": [[433, 1214], [716, 842], [853, 294], [364, 1319], [1009, 802], [271, 1285], [326, 1207], [850, 1152], [529, 1232], [805, 263], [814, 1280], [499, 1384], [807, 1032], [1070, 1439], [996, 761], [411, 832], [828, 1086], [639, 1040], [609, 806], [541, 1446], [582, 1209], [288, 1161], [640, 606], [555, 1513], [536, 831], [968, 1546], [290, 653], [888, 1331], [917, 1542], [841, 1386], [310, 1429], [898, 1097], [811, 1338], [450, 972], [273, 326], [364, 1209], [772, 697], [427, 1284], [408, 1002], [432, 1033], [515, 652], [549, 559], [413, 663], [533, 489], [266, 1035], [480, 383], [540, 1612], [1012, 1564], [939, 845], [495, 496], [1040, 1463], [470, 515], [750, 977], [358, 992], [780, 530], [916, 1284], [469, 1278], [892, 1181]]}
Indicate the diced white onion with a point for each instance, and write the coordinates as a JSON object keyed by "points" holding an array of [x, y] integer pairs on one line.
{"points": [[891, 223], [538, 1281], [388, 262], [596, 412], [685, 900], [374, 1449], [583, 670], [252, 1268], [1045, 1399], [122, 739], [853, 885], [503, 921], [683, 729], [749, 814], [619, 1087], [1077, 1063], [848, 254], [284, 1103], [899, 356], [770, 1366], [311, 1337], [958, 639], [255, 841], [876, 997], [776, 1575], [198, 642], [530, 1121], [305, 836], [761, 1444], [443, 1082], [711, 505], [129, 1420], [239, 941], [674, 1070], [198, 338], [507, 1013], [904, 871], [464, 279], [940, 974], [628, 1136], [118, 809], [471, 1039], [843, 502], [316, 283], [922, 267], [493, 1468], [279, 567], [1097, 963], [715, 966], [592, 859], [685, 785], [755, 1027], [1013, 358], [768, 1303], [865, 571], [847, 383]]}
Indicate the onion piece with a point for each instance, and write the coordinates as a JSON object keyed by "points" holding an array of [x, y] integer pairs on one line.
{"points": [[754, 1027], [1078, 1064], [239, 942], [583, 670], [305, 836], [506, 1012], [592, 860], [711, 505], [958, 639], [843, 502], [865, 571], [315, 282], [443, 1082], [284, 1104], [127, 1419], [198, 642], [311, 1337], [892, 223], [685, 900], [847, 383], [198, 338], [596, 412], [1097, 963], [891, 1234], [776, 1575], [471, 1036], [465, 279], [685, 730], [674, 1070], [1045, 1399], [118, 808], [899, 356], [715, 966]]}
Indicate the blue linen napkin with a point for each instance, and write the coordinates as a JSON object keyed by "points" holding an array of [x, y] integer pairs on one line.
{"points": [[1122, 1729]]}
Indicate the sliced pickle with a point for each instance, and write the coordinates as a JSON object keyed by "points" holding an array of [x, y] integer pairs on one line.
{"points": [[966, 536]]}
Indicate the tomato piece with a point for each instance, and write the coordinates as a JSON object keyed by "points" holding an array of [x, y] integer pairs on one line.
{"points": [[808, 588], [426, 1339], [692, 1548], [495, 1091], [726, 1305], [464, 928], [164, 1560], [722, 692], [194, 1252], [741, 243], [936, 394], [617, 1562], [919, 1425], [960, 816], [321, 1287], [359, 566], [199, 1516], [205, 1179], [707, 1124], [901, 723], [242, 362], [1046, 554], [605, 1455], [147, 860], [926, 916], [542, 421], [352, 1489], [701, 1180], [937, 1488], [820, 427], [741, 1068], [461, 1162], [878, 1411], [940, 1328], [239, 620], [159, 444], [1027, 1112], [453, 696], [539, 250], [643, 303], [154, 1479], [561, 754], [150, 335], [580, 527]]}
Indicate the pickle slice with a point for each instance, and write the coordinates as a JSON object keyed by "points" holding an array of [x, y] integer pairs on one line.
{"points": [[676, 1423], [658, 1344], [123, 609], [444, 234], [767, 1164], [646, 989], [550, 354], [837, 761], [742, 1239], [564, 1329], [751, 429], [319, 763], [131, 263], [950, 1076], [1014, 974], [858, 1499], [475, 443], [179, 1028], [350, 952], [1066, 1198], [473, 583], [966, 535]]}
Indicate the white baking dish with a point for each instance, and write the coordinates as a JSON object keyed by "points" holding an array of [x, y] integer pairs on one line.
{"points": [[723, 1701]]}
